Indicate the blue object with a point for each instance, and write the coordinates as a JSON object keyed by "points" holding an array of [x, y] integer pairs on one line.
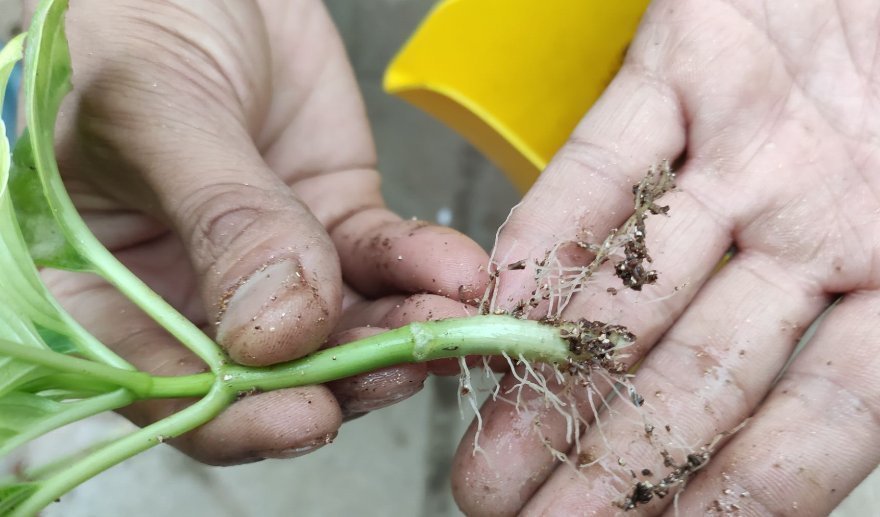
{"points": [[10, 103]]}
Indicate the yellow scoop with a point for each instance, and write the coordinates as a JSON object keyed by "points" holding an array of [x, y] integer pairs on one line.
{"points": [[514, 76]]}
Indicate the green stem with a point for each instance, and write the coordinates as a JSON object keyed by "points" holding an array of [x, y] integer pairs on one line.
{"points": [[137, 382], [154, 305], [196, 385], [73, 412], [82, 374], [416, 342], [67, 386], [102, 459]]}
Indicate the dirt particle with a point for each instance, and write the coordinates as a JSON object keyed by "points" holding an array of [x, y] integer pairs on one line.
{"points": [[586, 457]]}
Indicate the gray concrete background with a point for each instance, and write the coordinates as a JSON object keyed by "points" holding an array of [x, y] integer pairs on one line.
{"points": [[393, 462]]}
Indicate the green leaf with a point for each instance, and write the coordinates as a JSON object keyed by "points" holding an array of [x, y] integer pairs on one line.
{"points": [[22, 410], [16, 286], [46, 81], [14, 494], [40, 200], [28, 416], [29, 316], [56, 341], [46, 240]]}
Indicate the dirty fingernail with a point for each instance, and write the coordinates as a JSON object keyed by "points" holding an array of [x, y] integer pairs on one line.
{"points": [[295, 452], [365, 405], [240, 313]]}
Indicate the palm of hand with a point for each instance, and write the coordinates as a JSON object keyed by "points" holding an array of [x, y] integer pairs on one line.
{"points": [[776, 107]]}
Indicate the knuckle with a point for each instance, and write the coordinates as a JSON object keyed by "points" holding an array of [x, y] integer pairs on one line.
{"points": [[220, 218], [586, 154]]}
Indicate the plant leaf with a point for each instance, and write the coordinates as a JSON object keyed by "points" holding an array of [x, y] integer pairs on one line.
{"points": [[46, 80], [22, 410], [14, 494], [29, 315], [46, 240], [28, 416], [14, 277], [39, 211]]}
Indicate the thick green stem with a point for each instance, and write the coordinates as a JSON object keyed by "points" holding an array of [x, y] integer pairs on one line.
{"points": [[81, 374], [417, 342], [151, 303], [137, 382], [102, 459], [414, 343], [196, 385]]}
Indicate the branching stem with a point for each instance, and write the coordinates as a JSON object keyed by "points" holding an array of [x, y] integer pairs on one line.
{"points": [[187, 419]]}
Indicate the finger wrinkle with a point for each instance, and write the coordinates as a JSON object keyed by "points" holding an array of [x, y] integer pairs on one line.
{"points": [[700, 202], [222, 213], [708, 362], [824, 381], [361, 211], [769, 272], [337, 174]]}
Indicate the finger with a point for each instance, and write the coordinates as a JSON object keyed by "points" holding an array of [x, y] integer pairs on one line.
{"points": [[589, 182], [686, 247], [166, 147], [708, 374], [382, 254], [367, 392], [816, 436], [321, 146], [505, 455], [283, 423]]}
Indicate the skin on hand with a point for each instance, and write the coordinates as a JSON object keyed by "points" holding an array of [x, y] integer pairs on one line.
{"points": [[222, 151], [771, 108]]}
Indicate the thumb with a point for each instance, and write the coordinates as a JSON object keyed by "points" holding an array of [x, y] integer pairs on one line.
{"points": [[162, 122]]}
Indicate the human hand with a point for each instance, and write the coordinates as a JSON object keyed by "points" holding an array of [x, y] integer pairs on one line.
{"points": [[772, 108], [221, 150]]}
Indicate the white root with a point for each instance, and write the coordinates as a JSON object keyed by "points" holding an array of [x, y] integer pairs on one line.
{"points": [[467, 389], [595, 371]]}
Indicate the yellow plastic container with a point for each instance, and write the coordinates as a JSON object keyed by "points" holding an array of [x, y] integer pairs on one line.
{"points": [[514, 76]]}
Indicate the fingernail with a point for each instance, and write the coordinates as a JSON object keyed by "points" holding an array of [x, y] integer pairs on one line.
{"points": [[295, 452], [240, 311], [358, 405], [246, 461]]}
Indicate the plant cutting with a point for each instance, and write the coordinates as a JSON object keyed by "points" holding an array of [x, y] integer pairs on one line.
{"points": [[53, 372]]}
